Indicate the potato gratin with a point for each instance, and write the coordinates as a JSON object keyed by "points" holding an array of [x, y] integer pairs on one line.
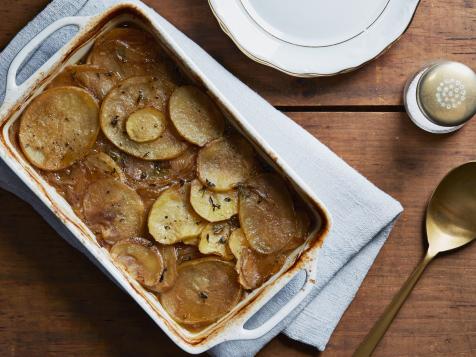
{"points": [[180, 199]]}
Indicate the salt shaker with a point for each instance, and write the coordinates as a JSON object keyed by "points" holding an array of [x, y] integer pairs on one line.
{"points": [[441, 97]]}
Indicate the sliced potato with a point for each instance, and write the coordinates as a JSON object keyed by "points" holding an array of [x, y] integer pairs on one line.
{"points": [[130, 52], [74, 181], [192, 241], [101, 165], [113, 210], [195, 116], [267, 213], [206, 289], [237, 242], [150, 178], [183, 165], [156, 174], [67, 77], [129, 96], [141, 259], [97, 80], [169, 274], [145, 124], [172, 218], [59, 127], [254, 269], [213, 206], [186, 252], [214, 240], [224, 163], [303, 223]]}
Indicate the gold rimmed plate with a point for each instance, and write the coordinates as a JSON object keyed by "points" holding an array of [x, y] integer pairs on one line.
{"points": [[311, 38]]}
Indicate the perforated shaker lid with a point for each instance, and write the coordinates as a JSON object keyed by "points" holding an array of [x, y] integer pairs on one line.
{"points": [[446, 93]]}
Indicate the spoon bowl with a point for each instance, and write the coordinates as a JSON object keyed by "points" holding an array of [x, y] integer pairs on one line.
{"points": [[450, 224], [451, 212]]}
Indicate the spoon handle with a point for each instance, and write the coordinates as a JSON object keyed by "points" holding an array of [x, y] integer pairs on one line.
{"points": [[372, 339]]}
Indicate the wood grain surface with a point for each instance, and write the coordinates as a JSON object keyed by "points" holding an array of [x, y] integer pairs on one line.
{"points": [[53, 301]]}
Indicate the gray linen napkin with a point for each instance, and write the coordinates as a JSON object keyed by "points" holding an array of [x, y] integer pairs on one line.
{"points": [[362, 214]]}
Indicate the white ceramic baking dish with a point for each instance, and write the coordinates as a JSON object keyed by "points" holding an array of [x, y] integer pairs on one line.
{"points": [[231, 326]]}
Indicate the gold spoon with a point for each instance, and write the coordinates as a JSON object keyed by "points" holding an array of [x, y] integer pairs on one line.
{"points": [[450, 223]]}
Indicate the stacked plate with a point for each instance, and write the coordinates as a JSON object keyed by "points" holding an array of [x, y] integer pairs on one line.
{"points": [[310, 38]]}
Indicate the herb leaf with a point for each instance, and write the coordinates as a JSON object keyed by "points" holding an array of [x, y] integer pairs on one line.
{"points": [[214, 205], [209, 183]]}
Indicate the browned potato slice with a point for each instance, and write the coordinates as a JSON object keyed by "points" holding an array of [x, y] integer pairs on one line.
{"points": [[172, 218], [206, 289], [150, 178], [213, 206], [169, 274], [192, 241], [186, 252], [74, 181], [214, 240], [156, 174], [237, 242], [129, 96], [101, 165], [59, 127], [67, 77], [113, 210], [141, 259], [145, 124], [130, 52], [267, 213], [195, 116], [303, 223], [97, 80], [254, 268], [224, 163]]}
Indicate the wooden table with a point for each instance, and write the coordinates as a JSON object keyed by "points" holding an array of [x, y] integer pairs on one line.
{"points": [[54, 302]]}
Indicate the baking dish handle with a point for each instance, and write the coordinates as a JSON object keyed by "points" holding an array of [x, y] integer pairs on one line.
{"points": [[242, 333], [12, 86]]}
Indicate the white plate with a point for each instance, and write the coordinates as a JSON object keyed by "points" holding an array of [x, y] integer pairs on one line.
{"points": [[310, 38]]}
